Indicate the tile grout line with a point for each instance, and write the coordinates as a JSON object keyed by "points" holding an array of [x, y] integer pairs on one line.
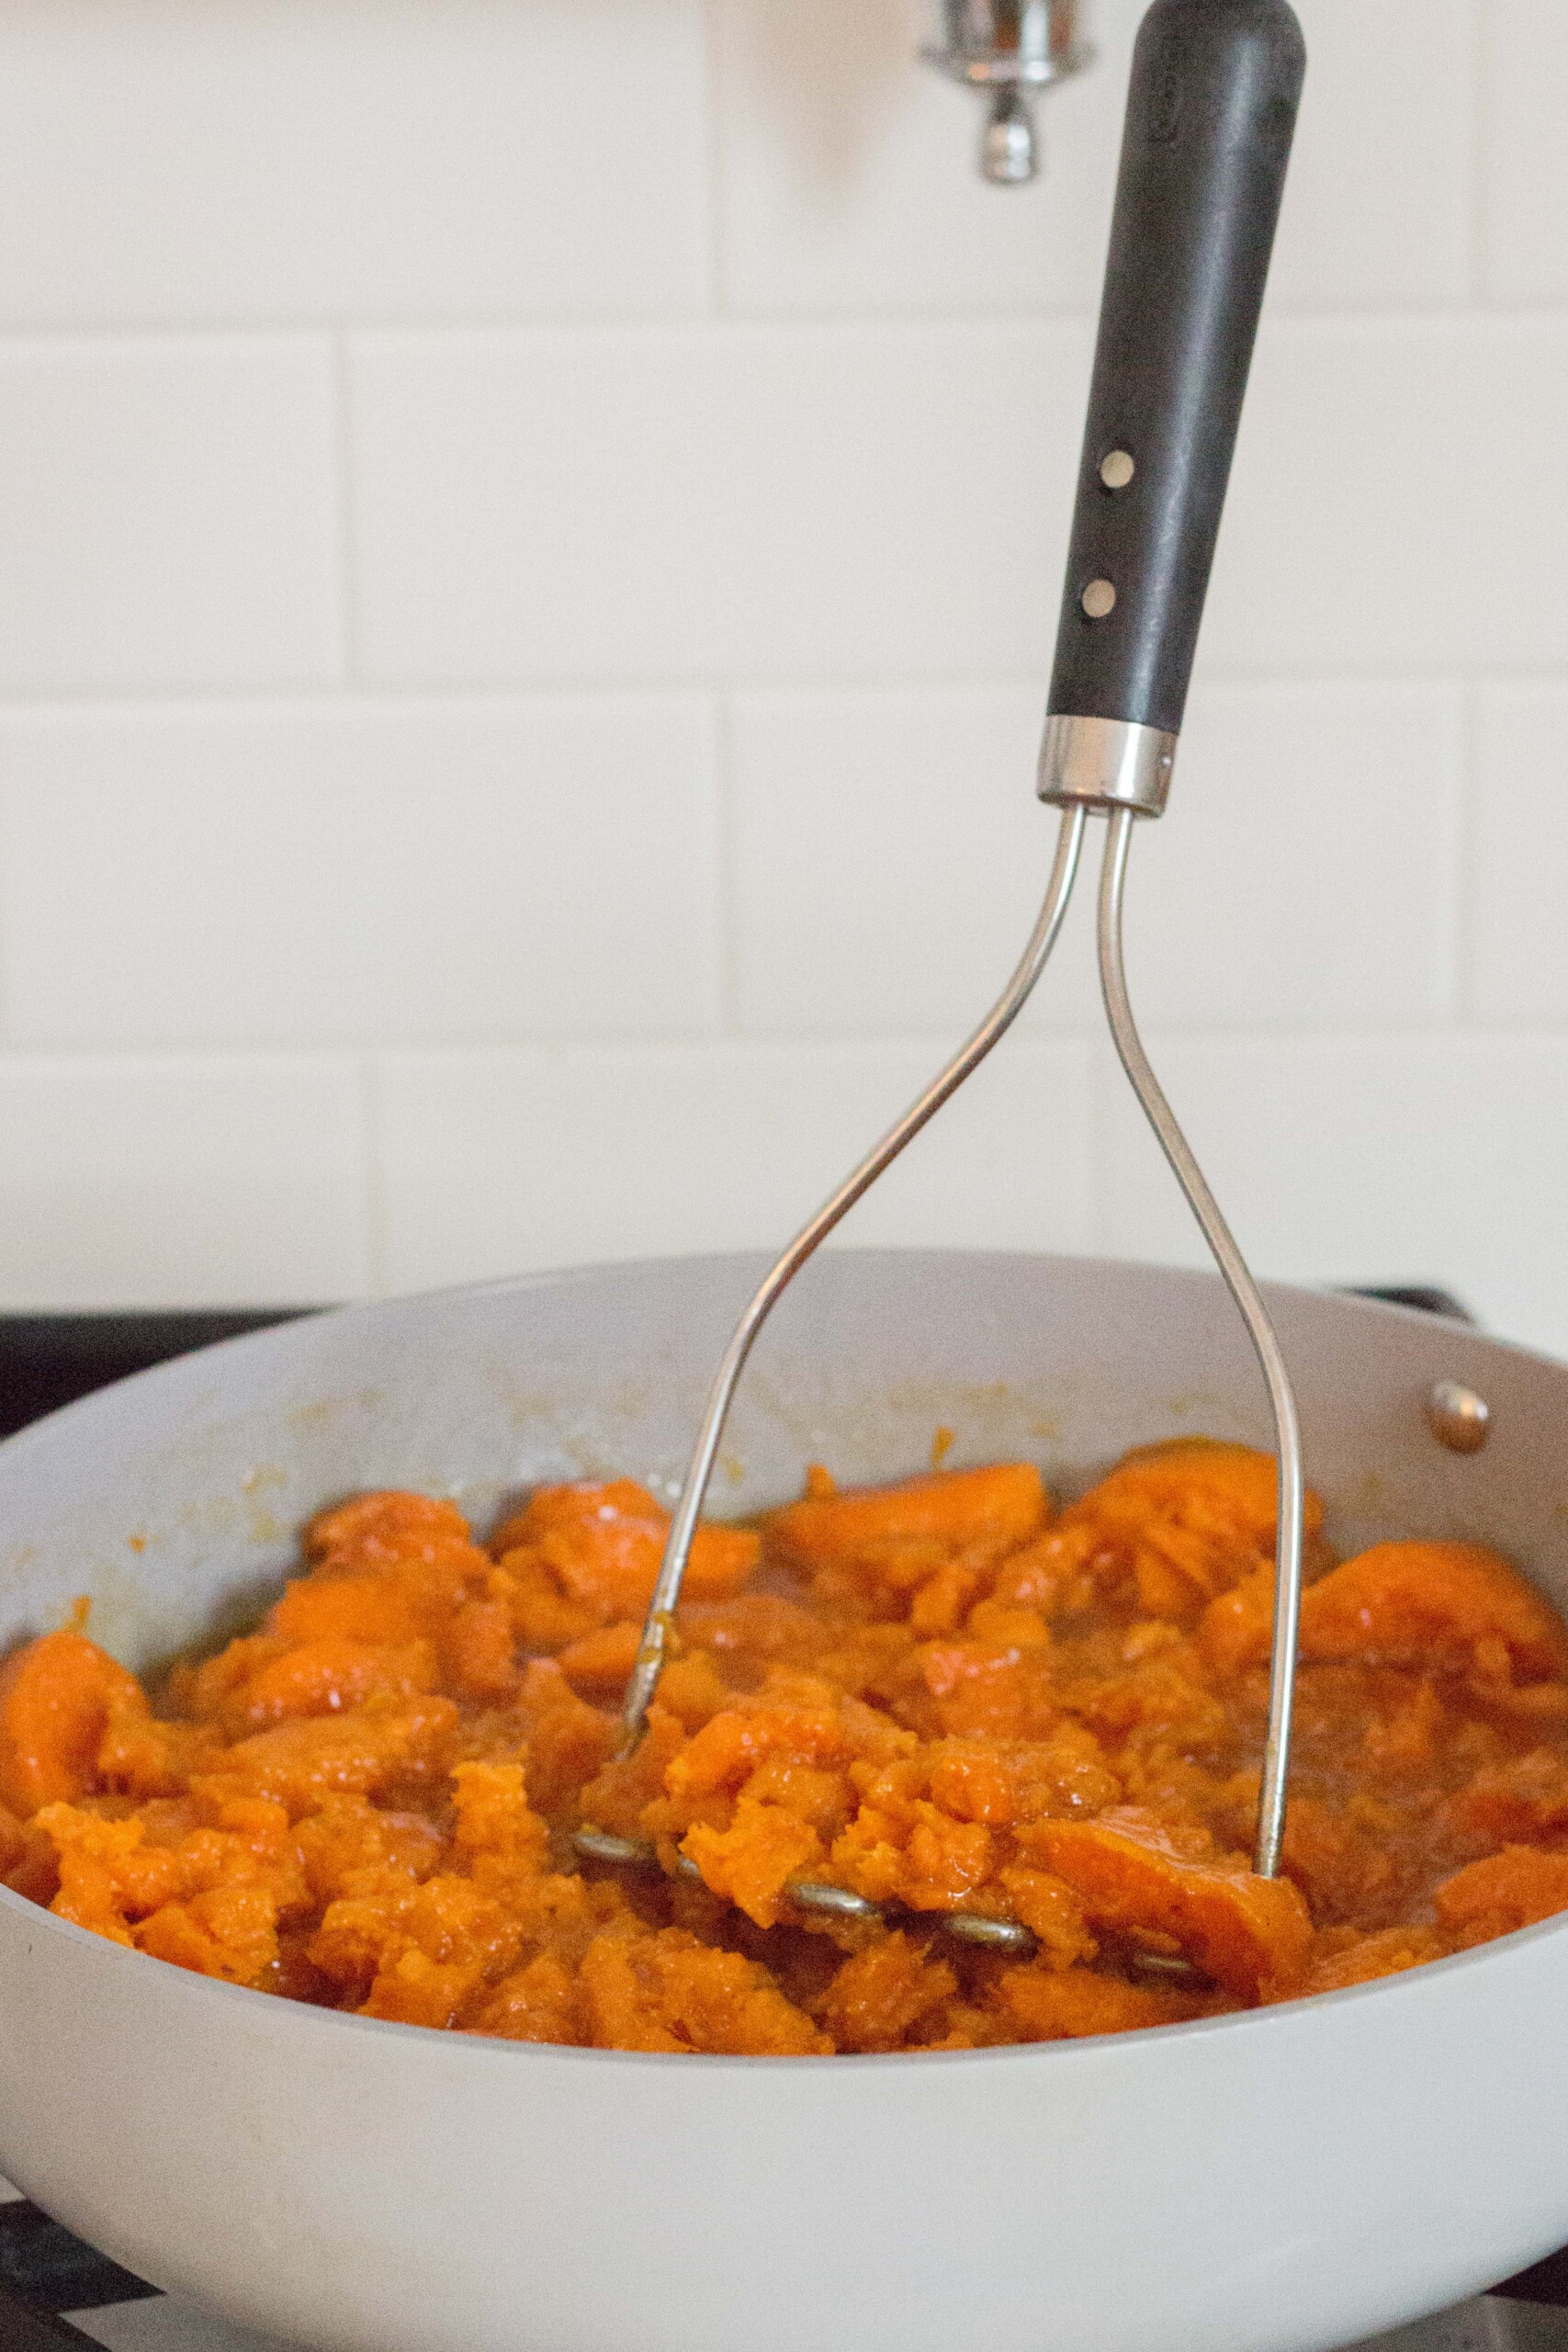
{"points": [[22, 338], [142, 1055], [381, 695]]}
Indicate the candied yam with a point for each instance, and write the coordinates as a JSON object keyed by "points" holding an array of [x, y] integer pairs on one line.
{"points": [[346, 1838], [975, 1782], [1513, 1889], [228, 1931], [690, 1690], [1249, 1934], [1525, 1798], [299, 1763], [603, 1660], [1052, 1574], [1040, 2006], [984, 1691], [382, 1528], [601, 1546], [414, 1989], [477, 1651], [543, 1620], [753, 1630], [618, 1797], [1362, 1959], [339, 1609], [727, 1749], [751, 1862], [1432, 1605], [1187, 1520], [496, 1830], [568, 1741], [1236, 1629], [1160, 1697], [206, 1690], [357, 1933], [1051, 1911], [904, 1850], [108, 1874], [535, 2003], [330, 1676], [880, 1995], [904, 1533], [142, 1756], [942, 1603], [668, 1992], [55, 1697]]}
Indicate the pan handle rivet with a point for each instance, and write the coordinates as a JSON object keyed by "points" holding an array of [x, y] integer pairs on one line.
{"points": [[1099, 599], [1459, 1418], [1117, 469]]}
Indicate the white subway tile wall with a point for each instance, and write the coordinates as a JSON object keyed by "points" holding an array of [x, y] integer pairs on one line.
{"points": [[530, 532]]}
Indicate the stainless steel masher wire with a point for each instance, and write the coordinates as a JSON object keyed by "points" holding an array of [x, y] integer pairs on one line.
{"points": [[688, 1509], [1239, 1279], [1005, 1935]]}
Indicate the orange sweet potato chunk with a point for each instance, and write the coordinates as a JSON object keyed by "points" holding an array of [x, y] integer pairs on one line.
{"points": [[1513, 1889], [376, 1531], [601, 1546], [1249, 1934], [906, 1531], [1187, 1519], [1078, 2003], [55, 1697], [1432, 1603]]}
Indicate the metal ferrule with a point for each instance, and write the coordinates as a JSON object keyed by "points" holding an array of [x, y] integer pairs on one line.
{"points": [[1106, 764]]}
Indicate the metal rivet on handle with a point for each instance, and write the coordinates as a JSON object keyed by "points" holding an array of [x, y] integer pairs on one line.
{"points": [[1459, 1418], [1117, 470], [1099, 599]]}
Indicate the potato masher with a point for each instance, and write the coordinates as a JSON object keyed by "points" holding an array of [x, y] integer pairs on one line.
{"points": [[1211, 116]]}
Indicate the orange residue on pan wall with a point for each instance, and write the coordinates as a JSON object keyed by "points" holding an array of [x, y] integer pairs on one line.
{"points": [[945, 1694]]}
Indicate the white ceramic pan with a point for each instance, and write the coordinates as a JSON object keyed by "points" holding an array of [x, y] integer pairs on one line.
{"points": [[1297, 2177]]}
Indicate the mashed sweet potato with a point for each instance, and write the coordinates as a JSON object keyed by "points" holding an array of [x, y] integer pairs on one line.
{"points": [[947, 1695]]}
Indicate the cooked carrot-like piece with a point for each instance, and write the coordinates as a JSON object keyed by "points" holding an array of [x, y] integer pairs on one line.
{"points": [[1187, 1520], [908, 1530], [1078, 2003], [1513, 1889], [55, 1697], [880, 1995], [605, 1656], [1432, 1603], [349, 1607], [1249, 1934], [324, 1677], [1362, 1959], [601, 1546], [376, 1530]]}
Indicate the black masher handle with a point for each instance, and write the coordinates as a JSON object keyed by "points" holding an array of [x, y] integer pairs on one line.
{"points": [[1211, 116]]}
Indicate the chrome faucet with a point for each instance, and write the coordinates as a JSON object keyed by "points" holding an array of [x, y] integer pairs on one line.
{"points": [[1009, 50]]}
